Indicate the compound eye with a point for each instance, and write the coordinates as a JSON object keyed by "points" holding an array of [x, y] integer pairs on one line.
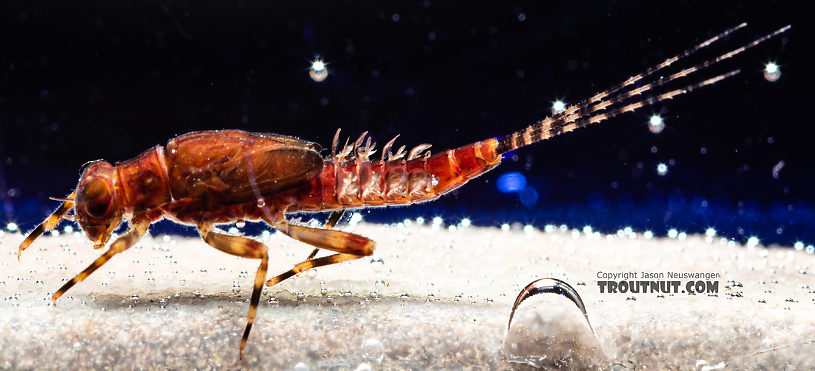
{"points": [[97, 198]]}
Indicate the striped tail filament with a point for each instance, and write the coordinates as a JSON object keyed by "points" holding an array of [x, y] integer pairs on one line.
{"points": [[350, 180]]}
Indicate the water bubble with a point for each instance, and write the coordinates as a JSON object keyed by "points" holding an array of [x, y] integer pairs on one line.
{"points": [[318, 71], [77, 346], [12, 227], [465, 222], [772, 72], [558, 106], [420, 220], [799, 246], [363, 367], [236, 287], [240, 224], [356, 218], [550, 332], [373, 350], [662, 169], [261, 202], [437, 221], [673, 233], [377, 264], [301, 367], [655, 124], [710, 232], [68, 229]]}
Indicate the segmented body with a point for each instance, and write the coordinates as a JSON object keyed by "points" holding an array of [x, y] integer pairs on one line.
{"points": [[229, 175]]}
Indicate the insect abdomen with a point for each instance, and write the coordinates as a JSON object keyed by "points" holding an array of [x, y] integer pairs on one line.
{"points": [[354, 184]]}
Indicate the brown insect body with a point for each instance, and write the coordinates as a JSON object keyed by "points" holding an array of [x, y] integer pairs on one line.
{"points": [[213, 177], [230, 175]]}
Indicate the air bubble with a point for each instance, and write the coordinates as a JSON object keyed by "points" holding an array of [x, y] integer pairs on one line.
{"points": [[558, 106], [240, 224], [373, 350], [301, 367], [437, 221], [772, 72], [377, 264], [662, 169], [550, 332], [656, 125], [261, 202], [318, 71]]}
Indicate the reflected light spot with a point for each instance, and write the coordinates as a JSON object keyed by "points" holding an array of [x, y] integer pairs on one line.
{"points": [[662, 169], [656, 124], [318, 71], [673, 233], [558, 106], [772, 72]]}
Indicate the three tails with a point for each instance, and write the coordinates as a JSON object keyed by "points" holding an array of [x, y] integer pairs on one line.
{"points": [[604, 105]]}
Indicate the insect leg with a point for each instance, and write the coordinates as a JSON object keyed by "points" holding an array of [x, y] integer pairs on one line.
{"points": [[245, 248], [335, 217], [138, 227], [314, 263], [349, 246]]}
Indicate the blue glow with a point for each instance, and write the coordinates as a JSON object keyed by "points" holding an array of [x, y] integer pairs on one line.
{"points": [[511, 182], [528, 196]]}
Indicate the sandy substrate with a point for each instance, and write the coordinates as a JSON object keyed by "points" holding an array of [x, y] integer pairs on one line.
{"points": [[431, 297]]}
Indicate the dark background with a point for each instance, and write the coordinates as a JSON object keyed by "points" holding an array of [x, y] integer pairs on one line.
{"points": [[82, 81]]}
